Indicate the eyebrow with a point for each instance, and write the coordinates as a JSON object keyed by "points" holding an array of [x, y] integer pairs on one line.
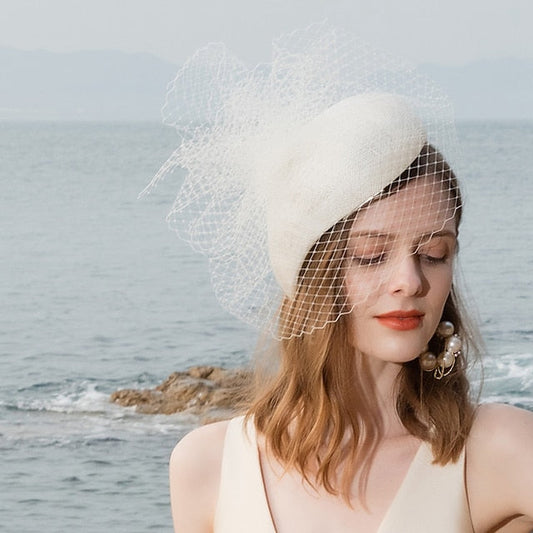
{"points": [[380, 235]]}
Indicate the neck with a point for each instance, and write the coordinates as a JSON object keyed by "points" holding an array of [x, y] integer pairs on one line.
{"points": [[384, 376]]}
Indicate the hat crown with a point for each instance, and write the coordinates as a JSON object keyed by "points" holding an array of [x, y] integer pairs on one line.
{"points": [[336, 163]]}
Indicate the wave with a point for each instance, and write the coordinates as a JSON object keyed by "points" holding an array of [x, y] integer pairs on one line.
{"points": [[508, 378], [78, 398], [80, 414]]}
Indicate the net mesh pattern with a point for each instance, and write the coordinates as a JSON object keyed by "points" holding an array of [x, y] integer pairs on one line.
{"points": [[290, 166]]}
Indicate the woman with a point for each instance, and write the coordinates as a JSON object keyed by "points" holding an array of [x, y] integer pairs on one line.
{"points": [[367, 423]]}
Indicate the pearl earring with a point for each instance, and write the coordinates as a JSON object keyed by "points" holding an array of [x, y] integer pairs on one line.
{"points": [[442, 364]]}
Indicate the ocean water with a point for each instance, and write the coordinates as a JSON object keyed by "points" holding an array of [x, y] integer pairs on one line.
{"points": [[98, 295]]}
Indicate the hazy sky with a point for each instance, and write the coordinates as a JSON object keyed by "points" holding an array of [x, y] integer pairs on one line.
{"points": [[436, 31]]}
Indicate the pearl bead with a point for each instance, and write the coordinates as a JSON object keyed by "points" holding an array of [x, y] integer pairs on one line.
{"points": [[445, 329], [428, 361], [454, 343], [447, 359]]}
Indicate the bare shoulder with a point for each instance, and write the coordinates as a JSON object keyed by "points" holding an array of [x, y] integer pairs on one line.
{"points": [[501, 438], [500, 427], [200, 449], [194, 477], [499, 454]]}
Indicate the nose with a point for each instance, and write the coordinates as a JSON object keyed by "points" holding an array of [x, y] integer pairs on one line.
{"points": [[407, 278]]}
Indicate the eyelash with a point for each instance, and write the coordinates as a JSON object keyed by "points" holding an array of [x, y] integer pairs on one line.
{"points": [[434, 260], [369, 261], [381, 258]]}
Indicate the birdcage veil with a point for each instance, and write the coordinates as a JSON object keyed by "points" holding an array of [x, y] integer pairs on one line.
{"points": [[282, 160]]}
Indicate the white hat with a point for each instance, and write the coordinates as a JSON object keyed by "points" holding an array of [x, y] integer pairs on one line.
{"points": [[338, 161]]}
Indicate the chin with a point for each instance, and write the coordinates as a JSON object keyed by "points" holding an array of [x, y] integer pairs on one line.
{"points": [[394, 353], [389, 345]]}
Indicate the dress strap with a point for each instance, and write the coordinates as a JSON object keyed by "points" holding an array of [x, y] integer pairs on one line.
{"points": [[242, 505]]}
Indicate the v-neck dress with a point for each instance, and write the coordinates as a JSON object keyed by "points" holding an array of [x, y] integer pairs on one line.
{"points": [[430, 498]]}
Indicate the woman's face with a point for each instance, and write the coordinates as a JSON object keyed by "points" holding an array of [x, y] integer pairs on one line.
{"points": [[399, 270]]}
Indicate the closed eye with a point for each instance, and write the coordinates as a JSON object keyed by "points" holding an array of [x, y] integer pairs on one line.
{"points": [[368, 261], [433, 260]]}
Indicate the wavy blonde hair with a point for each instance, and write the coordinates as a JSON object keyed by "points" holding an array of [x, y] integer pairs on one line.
{"points": [[318, 413]]}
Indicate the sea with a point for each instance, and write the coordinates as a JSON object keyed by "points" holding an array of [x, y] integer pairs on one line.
{"points": [[97, 294]]}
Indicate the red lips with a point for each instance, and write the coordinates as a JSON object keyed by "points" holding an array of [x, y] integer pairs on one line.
{"points": [[401, 320]]}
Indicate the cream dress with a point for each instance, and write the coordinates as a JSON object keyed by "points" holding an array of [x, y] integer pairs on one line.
{"points": [[431, 498]]}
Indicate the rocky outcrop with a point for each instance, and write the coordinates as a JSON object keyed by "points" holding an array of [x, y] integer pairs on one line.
{"points": [[209, 391]]}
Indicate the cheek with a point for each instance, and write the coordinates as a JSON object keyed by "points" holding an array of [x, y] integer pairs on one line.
{"points": [[440, 283], [361, 287], [355, 292]]}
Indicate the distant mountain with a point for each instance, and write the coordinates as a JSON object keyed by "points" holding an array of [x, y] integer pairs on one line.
{"points": [[92, 85], [112, 85]]}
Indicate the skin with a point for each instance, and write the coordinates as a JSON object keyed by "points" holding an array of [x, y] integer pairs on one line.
{"points": [[414, 271]]}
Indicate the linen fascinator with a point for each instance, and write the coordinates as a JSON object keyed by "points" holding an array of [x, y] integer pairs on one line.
{"points": [[273, 158]]}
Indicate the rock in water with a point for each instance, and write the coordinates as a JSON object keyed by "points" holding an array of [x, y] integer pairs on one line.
{"points": [[209, 391]]}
